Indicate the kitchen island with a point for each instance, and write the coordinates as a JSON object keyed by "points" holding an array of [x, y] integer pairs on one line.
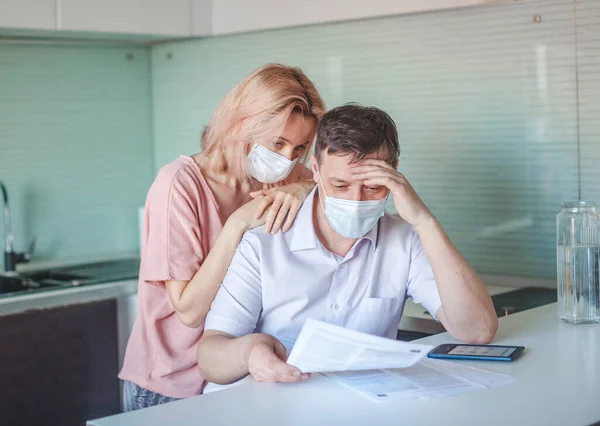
{"points": [[558, 384]]}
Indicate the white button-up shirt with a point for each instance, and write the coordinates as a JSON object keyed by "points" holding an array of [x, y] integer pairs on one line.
{"points": [[276, 282]]}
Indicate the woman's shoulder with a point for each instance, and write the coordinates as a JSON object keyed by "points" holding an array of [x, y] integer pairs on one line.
{"points": [[181, 175], [178, 169]]}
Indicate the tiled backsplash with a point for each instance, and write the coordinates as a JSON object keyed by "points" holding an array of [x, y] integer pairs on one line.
{"points": [[486, 102], [497, 109], [75, 145]]}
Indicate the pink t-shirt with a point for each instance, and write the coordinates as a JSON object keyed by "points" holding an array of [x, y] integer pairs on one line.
{"points": [[181, 225]]}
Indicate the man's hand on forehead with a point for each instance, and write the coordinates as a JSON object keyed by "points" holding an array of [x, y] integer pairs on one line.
{"points": [[407, 202]]}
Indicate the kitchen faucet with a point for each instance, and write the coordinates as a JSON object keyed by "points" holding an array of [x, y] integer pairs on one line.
{"points": [[11, 258]]}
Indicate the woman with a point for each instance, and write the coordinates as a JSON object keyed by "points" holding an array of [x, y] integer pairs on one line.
{"points": [[249, 172]]}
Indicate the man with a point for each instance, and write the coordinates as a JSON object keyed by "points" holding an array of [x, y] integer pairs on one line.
{"points": [[343, 261]]}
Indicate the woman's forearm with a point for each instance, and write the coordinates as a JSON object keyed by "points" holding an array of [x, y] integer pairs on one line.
{"points": [[192, 299]]}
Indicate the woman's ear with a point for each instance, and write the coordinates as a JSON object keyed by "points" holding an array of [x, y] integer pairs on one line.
{"points": [[247, 147]]}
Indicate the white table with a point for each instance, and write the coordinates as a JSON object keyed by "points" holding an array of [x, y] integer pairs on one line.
{"points": [[559, 384]]}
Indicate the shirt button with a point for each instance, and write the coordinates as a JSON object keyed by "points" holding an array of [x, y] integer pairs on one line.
{"points": [[342, 266], [336, 307]]}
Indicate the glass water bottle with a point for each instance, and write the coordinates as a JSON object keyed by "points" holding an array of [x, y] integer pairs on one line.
{"points": [[577, 247]]}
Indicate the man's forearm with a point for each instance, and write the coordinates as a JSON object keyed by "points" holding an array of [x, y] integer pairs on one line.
{"points": [[467, 309], [222, 358]]}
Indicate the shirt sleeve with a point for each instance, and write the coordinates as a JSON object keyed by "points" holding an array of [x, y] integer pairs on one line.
{"points": [[238, 303], [173, 246], [421, 282]]}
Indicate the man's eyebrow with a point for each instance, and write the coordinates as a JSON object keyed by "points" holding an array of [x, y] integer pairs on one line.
{"points": [[338, 180]]}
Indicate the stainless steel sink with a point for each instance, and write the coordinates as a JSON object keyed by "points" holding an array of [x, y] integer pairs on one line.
{"points": [[11, 285], [89, 273], [76, 275], [54, 278]]}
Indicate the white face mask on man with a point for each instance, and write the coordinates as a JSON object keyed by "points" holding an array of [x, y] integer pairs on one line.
{"points": [[349, 218], [267, 166]]}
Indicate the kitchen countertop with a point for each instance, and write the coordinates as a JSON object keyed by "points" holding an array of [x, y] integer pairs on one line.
{"points": [[557, 385], [66, 296], [62, 296], [40, 264], [414, 318]]}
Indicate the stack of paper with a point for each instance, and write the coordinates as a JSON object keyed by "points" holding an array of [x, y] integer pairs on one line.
{"points": [[322, 347], [384, 369], [426, 379]]}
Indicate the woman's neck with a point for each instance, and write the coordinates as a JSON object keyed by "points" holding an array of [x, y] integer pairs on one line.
{"points": [[225, 179], [228, 192], [220, 178]]}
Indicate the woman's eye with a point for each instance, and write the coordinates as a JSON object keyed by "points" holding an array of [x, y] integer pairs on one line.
{"points": [[277, 144], [300, 148], [338, 187]]}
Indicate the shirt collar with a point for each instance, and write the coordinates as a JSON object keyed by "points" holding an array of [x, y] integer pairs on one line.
{"points": [[372, 235], [302, 235]]}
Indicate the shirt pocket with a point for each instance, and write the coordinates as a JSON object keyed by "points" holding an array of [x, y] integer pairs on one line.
{"points": [[378, 316]]}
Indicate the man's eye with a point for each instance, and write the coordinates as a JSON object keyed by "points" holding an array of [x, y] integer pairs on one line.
{"points": [[277, 144], [300, 148], [339, 187], [373, 189]]}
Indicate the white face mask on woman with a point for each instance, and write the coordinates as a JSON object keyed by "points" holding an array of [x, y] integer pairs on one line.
{"points": [[267, 166], [349, 218]]}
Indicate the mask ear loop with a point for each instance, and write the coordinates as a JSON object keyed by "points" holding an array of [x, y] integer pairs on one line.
{"points": [[323, 188]]}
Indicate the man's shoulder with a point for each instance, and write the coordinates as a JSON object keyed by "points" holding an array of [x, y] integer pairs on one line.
{"points": [[256, 233], [259, 237], [299, 231]]}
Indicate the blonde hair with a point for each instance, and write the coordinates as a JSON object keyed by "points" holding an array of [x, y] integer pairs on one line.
{"points": [[259, 105]]}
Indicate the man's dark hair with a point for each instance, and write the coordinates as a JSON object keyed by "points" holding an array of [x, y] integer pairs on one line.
{"points": [[357, 131]]}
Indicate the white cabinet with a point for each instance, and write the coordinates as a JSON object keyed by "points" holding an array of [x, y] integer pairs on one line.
{"points": [[233, 16], [28, 14], [201, 14], [184, 18], [160, 17]]}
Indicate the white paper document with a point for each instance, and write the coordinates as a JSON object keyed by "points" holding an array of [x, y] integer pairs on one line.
{"points": [[323, 347], [426, 379]]}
